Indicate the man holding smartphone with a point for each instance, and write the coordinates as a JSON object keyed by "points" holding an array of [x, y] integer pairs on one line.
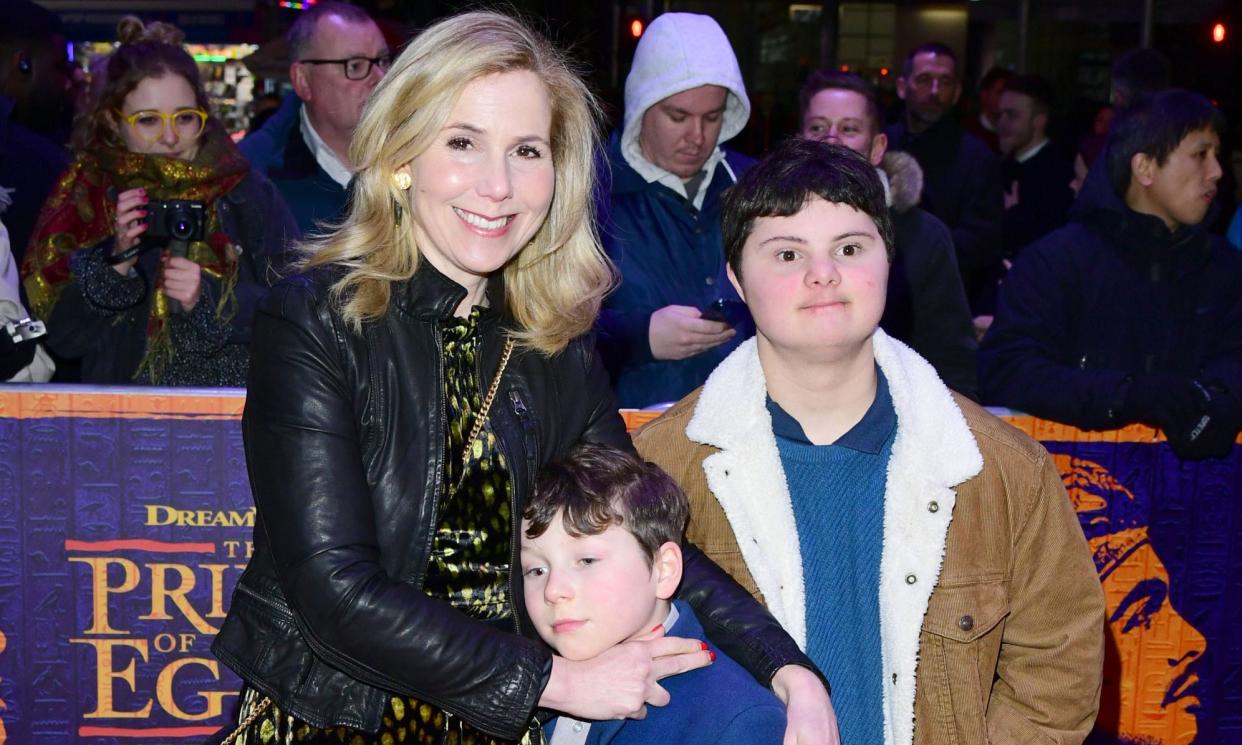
{"points": [[675, 315]]}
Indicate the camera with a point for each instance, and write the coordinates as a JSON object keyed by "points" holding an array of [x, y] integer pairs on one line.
{"points": [[176, 219]]}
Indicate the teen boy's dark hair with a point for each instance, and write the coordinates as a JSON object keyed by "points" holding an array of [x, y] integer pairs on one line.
{"points": [[826, 78], [1155, 129], [795, 171], [597, 486]]}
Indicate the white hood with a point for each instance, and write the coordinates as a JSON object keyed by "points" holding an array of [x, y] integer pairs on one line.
{"points": [[680, 51]]}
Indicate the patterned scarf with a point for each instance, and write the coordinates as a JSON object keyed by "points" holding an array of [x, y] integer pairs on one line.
{"points": [[79, 213]]}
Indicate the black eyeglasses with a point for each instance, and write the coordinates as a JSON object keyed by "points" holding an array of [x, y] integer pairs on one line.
{"points": [[356, 68]]}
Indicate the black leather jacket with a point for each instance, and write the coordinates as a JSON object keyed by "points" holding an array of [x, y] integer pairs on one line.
{"points": [[345, 449]]}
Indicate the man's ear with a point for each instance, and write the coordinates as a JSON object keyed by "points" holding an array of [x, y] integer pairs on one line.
{"points": [[737, 283], [667, 567], [901, 88], [1142, 169], [299, 75], [1040, 122], [879, 146]]}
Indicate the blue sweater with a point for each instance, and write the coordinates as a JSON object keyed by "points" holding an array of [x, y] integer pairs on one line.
{"points": [[720, 704], [837, 492]]}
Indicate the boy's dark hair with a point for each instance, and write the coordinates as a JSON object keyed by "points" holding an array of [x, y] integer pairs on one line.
{"points": [[303, 29], [598, 486], [796, 171], [1140, 74], [930, 47], [825, 78], [1036, 87], [1155, 128]]}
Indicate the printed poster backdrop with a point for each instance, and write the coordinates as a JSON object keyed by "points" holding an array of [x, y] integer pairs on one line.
{"points": [[125, 520]]}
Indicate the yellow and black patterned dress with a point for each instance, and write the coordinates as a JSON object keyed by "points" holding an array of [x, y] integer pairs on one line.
{"points": [[468, 567]]}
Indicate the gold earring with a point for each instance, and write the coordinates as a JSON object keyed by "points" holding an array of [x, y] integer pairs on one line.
{"points": [[402, 180]]}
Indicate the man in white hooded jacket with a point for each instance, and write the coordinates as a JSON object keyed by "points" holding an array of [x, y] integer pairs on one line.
{"points": [[923, 553], [659, 212]]}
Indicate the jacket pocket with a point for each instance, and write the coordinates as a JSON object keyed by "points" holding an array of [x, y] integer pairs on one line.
{"points": [[958, 649], [260, 641]]}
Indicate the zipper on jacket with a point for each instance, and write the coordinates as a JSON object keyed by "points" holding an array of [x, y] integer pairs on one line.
{"points": [[441, 470], [515, 523]]}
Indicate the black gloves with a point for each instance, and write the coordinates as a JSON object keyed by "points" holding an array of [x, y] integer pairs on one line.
{"points": [[1200, 419]]}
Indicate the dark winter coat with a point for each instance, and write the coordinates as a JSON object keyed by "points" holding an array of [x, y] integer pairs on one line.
{"points": [[962, 187], [279, 151], [1112, 294], [667, 253], [926, 305], [1044, 196]]}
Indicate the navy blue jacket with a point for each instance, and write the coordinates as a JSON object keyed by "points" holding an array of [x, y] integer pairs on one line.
{"points": [[667, 253], [720, 704], [278, 151], [1112, 294]]}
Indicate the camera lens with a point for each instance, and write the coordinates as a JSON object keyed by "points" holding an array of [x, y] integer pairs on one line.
{"points": [[181, 224]]}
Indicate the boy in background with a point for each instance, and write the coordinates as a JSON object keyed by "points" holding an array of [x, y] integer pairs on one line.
{"points": [[601, 560]]}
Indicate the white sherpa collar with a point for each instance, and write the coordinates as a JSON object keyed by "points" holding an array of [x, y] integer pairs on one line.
{"points": [[933, 452]]}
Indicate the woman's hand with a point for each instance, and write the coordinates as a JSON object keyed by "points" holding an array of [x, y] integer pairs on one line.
{"points": [[809, 714], [183, 280], [129, 226], [620, 682]]}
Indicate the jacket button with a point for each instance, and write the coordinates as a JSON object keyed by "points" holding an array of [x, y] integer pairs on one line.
{"points": [[710, 280], [911, 579], [966, 623], [933, 506]]}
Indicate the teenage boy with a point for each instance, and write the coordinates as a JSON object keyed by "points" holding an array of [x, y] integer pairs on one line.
{"points": [[923, 552], [601, 558]]}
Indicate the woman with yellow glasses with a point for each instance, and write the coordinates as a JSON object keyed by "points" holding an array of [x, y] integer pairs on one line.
{"points": [[152, 252]]}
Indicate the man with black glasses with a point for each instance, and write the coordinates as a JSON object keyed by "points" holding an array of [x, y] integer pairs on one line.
{"points": [[337, 56]]}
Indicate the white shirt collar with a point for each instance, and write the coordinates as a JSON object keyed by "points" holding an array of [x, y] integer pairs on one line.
{"points": [[324, 155], [651, 172], [1031, 152]]}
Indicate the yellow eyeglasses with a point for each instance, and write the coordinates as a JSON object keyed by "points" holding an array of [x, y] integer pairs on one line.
{"points": [[149, 125]]}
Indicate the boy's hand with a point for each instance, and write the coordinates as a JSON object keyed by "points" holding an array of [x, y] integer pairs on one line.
{"points": [[621, 682], [808, 711]]}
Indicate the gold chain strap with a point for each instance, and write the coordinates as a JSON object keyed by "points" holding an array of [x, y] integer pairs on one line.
{"points": [[481, 419], [245, 725]]}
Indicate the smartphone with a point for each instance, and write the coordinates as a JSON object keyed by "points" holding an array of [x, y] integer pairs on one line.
{"points": [[731, 312]]}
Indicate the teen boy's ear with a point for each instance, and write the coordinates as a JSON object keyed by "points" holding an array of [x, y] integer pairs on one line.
{"points": [[737, 283], [666, 564]]}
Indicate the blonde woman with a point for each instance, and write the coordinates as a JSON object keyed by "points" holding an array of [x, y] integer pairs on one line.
{"points": [[403, 394]]}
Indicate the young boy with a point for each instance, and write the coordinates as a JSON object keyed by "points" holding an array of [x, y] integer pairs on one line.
{"points": [[923, 552], [601, 558]]}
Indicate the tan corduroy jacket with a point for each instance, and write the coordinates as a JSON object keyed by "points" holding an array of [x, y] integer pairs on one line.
{"points": [[992, 617]]}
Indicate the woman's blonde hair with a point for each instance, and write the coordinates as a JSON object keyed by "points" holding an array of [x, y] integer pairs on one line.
{"points": [[554, 286]]}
